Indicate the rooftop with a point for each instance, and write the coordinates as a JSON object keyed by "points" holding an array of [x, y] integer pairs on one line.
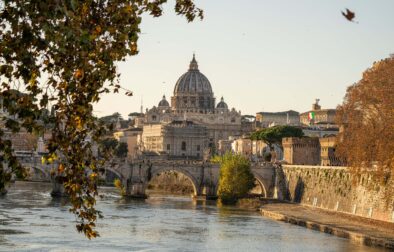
{"points": [[289, 112]]}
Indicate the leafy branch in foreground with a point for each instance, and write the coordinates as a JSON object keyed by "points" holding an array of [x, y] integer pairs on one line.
{"points": [[63, 53]]}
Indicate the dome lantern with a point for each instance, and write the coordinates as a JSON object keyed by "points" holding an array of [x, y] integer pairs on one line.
{"points": [[193, 64]]}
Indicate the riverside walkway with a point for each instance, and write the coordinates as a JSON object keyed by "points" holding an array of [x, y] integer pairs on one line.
{"points": [[356, 228]]}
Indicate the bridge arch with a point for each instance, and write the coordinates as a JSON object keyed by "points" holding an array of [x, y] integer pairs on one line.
{"points": [[157, 170], [40, 170], [263, 184], [114, 172]]}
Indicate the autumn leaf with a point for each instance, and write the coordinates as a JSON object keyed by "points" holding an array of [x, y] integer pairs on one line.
{"points": [[79, 74], [60, 169]]}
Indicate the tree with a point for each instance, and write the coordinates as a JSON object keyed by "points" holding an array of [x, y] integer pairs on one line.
{"points": [[135, 114], [108, 145], [366, 139], [235, 179], [121, 150], [275, 134], [111, 121], [111, 118], [64, 54]]}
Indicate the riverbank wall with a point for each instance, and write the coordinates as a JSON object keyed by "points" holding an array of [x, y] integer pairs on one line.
{"points": [[355, 228], [334, 188]]}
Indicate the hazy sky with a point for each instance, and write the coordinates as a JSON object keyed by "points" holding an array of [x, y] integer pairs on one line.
{"points": [[259, 55]]}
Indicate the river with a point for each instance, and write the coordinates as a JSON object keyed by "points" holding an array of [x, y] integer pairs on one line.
{"points": [[30, 220]]}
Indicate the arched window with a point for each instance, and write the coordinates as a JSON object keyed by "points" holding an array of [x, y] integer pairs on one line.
{"points": [[183, 146]]}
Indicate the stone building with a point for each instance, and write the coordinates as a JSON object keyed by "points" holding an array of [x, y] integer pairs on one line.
{"points": [[327, 152], [311, 151], [224, 146], [242, 146], [302, 151], [23, 143], [267, 119], [176, 139], [318, 116], [193, 101], [248, 124], [135, 119], [259, 148], [320, 131], [131, 136]]}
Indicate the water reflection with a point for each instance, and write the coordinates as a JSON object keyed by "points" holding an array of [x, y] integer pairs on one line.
{"points": [[32, 221]]}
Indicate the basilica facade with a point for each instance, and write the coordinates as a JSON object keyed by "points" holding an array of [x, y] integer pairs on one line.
{"points": [[193, 120]]}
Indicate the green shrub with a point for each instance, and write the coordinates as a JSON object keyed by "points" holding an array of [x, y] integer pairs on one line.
{"points": [[235, 179]]}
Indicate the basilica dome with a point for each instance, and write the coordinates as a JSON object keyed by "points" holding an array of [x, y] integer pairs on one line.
{"points": [[193, 92], [193, 82], [164, 102], [222, 104]]}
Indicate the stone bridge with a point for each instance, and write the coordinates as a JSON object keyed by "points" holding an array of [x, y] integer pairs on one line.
{"points": [[135, 176], [37, 170], [203, 176]]}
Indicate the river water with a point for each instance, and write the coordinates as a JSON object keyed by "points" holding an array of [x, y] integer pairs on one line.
{"points": [[30, 220]]}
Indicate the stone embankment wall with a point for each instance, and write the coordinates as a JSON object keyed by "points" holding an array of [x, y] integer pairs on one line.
{"points": [[334, 188]]}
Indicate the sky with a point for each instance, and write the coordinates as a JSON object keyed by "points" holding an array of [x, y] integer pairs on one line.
{"points": [[259, 55]]}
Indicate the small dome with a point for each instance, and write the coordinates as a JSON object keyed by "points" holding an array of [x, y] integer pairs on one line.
{"points": [[193, 81], [222, 104], [164, 102]]}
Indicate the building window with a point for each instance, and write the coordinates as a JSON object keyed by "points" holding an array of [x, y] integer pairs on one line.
{"points": [[183, 146], [168, 147], [233, 120], [198, 147]]}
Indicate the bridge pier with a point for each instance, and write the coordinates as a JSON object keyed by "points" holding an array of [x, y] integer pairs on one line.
{"points": [[210, 192], [58, 190], [135, 190], [3, 192]]}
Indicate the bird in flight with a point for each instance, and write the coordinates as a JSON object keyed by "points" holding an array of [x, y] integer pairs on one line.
{"points": [[349, 15]]}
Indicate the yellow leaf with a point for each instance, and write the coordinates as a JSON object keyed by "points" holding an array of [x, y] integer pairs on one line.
{"points": [[60, 168], [79, 74]]}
